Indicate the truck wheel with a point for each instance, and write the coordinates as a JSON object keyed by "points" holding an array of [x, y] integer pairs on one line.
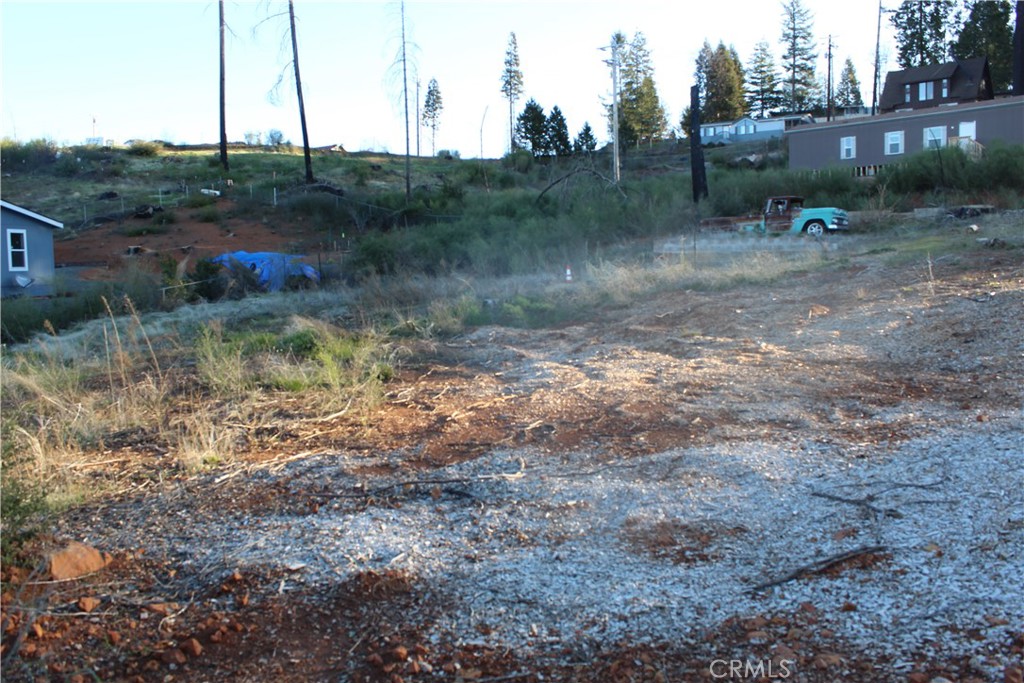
{"points": [[816, 228]]}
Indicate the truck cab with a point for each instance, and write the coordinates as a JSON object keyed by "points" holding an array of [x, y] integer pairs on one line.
{"points": [[786, 213]]}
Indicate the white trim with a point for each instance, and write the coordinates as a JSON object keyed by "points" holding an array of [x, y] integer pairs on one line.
{"points": [[30, 214], [10, 250], [888, 144], [848, 147]]}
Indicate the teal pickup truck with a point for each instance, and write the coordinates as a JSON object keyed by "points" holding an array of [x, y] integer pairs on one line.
{"points": [[788, 214]]}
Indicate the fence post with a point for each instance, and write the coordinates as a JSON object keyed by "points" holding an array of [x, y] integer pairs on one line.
{"points": [[275, 196]]}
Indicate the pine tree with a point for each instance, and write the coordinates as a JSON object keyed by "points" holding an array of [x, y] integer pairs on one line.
{"points": [[557, 131], [641, 115], [762, 86], [585, 142], [921, 32], [531, 129], [848, 88], [432, 107], [724, 97], [798, 57], [512, 85], [700, 72], [987, 33]]}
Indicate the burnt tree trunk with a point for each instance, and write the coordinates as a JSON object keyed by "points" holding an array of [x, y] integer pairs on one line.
{"points": [[298, 90]]}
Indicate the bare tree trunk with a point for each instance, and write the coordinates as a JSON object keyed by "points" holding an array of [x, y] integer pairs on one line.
{"points": [[223, 116], [405, 94], [298, 89]]}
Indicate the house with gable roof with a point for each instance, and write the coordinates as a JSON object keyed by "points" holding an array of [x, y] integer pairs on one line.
{"points": [[26, 264]]}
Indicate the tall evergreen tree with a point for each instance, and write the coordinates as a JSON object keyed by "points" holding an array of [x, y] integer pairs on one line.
{"points": [[558, 140], [585, 142], [701, 67], [762, 86], [532, 129], [922, 29], [798, 57], [432, 107], [987, 33], [848, 87], [641, 115], [512, 85], [724, 99]]}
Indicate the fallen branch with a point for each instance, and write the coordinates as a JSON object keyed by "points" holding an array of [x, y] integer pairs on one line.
{"points": [[570, 174], [409, 483], [864, 502], [818, 566]]}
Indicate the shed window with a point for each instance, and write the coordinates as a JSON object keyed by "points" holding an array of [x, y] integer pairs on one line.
{"points": [[935, 137], [926, 91], [894, 142], [906, 93], [17, 250], [848, 148], [945, 88]]}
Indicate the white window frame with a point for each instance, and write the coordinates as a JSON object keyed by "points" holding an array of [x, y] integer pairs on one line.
{"points": [[894, 138], [848, 147], [945, 88], [11, 250], [926, 91], [934, 137]]}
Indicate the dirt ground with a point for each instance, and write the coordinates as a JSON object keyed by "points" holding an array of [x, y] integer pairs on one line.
{"points": [[103, 252], [856, 361]]}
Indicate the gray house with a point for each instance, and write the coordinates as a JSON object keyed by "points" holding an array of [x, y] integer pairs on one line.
{"points": [[865, 144], [26, 265]]}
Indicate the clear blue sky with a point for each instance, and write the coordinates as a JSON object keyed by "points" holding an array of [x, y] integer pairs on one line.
{"points": [[149, 70]]}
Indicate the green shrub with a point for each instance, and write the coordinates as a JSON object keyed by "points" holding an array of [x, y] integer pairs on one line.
{"points": [[28, 156], [208, 214], [198, 200], [143, 148], [21, 500]]}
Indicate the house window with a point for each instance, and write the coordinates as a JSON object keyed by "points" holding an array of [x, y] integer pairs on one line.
{"points": [[945, 88], [894, 142], [935, 137], [925, 91], [906, 93], [17, 250], [848, 148]]}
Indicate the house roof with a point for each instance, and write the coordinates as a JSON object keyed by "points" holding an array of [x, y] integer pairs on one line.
{"points": [[970, 73], [31, 214], [929, 112]]}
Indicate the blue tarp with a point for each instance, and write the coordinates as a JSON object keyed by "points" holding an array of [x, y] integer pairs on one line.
{"points": [[272, 269]]}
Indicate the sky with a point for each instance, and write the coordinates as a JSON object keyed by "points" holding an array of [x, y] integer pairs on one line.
{"points": [[150, 69]]}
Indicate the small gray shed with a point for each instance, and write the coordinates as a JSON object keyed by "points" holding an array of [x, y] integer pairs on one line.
{"points": [[26, 265]]}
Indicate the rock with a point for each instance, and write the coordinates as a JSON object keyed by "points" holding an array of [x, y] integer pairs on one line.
{"points": [[75, 560], [192, 648], [88, 604], [173, 655], [1013, 674]]}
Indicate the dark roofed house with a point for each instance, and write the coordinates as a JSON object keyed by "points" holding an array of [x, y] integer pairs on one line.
{"points": [[966, 80], [26, 266]]}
